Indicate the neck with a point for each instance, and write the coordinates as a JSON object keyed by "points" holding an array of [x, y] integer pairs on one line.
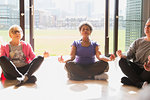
{"points": [[148, 38], [15, 43], [85, 39]]}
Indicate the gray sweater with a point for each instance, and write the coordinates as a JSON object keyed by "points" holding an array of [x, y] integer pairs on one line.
{"points": [[139, 51]]}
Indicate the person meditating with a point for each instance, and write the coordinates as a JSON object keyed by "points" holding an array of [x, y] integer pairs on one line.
{"points": [[137, 71], [17, 59], [83, 51]]}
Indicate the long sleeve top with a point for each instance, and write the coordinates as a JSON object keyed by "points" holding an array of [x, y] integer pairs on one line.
{"points": [[26, 48], [139, 51]]}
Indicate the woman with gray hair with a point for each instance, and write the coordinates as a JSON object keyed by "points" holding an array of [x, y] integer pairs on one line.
{"points": [[83, 51]]}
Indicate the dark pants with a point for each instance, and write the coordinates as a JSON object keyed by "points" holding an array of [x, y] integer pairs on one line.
{"points": [[133, 71], [81, 71], [12, 72]]}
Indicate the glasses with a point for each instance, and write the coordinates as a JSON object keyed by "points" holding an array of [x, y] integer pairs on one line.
{"points": [[16, 31], [147, 26]]}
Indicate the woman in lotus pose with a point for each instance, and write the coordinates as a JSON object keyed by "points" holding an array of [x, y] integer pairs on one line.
{"points": [[17, 58], [84, 52], [137, 71]]}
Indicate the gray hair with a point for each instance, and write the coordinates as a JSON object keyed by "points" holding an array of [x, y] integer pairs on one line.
{"points": [[87, 24]]}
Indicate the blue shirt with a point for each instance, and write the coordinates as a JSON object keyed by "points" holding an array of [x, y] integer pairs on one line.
{"points": [[85, 55]]}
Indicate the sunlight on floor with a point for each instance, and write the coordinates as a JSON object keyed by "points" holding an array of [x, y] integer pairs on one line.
{"points": [[53, 84]]}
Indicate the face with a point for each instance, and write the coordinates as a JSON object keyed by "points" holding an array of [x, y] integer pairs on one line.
{"points": [[16, 34], [85, 31], [147, 29]]}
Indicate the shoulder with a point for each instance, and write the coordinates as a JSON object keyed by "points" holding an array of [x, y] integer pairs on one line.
{"points": [[25, 44], [94, 43], [139, 40], [76, 42], [5, 45]]}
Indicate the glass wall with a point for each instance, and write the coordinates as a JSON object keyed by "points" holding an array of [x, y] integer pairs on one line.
{"points": [[27, 35], [111, 24], [122, 25], [9, 15], [56, 23], [129, 23], [133, 21]]}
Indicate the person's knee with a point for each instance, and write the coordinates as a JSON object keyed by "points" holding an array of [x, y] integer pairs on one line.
{"points": [[3, 57], [40, 58], [104, 63], [122, 61], [68, 65], [145, 76]]}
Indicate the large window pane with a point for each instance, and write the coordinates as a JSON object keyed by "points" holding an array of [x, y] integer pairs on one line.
{"points": [[133, 21], [56, 23], [122, 25], [27, 35], [9, 15], [111, 24], [129, 23]]}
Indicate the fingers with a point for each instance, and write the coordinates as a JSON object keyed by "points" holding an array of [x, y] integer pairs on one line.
{"points": [[149, 57], [147, 66], [60, 59], [46, 54], [119, 53], [112, 57]]}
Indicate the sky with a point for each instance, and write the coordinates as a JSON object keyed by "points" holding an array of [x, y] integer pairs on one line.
{"points": [[65, 5]]}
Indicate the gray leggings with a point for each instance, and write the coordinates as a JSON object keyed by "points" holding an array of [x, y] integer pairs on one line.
{"points": [[85, 71]]}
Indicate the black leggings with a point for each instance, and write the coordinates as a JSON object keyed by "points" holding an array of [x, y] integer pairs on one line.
{"points": [[133, 71], [12, 72], [85, 71]]}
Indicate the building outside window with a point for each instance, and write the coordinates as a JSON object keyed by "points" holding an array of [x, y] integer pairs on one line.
{"points": [[56, 22], [9, 15]]}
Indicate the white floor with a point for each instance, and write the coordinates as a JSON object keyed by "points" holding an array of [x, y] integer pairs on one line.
{"points": [[53, 84]]}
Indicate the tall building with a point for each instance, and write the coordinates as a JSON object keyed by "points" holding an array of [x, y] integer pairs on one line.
{"points": [[133, 21], [9, 14], [83, 8]]}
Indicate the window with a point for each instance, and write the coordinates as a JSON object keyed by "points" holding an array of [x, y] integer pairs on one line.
{"points": [[9, 15], [56, 27]]}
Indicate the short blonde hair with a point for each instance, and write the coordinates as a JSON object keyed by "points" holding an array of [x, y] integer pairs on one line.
{"points": [[12, 29]]}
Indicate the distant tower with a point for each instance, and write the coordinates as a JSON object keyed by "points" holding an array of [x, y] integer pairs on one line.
{"points": [[83, 8], [133, 21]]}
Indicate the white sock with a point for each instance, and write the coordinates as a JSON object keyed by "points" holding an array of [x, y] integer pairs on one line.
{"points": [[102, 76], [145, 84], [25, 78]]}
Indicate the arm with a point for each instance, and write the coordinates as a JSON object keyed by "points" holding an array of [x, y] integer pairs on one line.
{"points": [[31, 52], [4, 50], [72, 55], [131, 51], [106, 59]]}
